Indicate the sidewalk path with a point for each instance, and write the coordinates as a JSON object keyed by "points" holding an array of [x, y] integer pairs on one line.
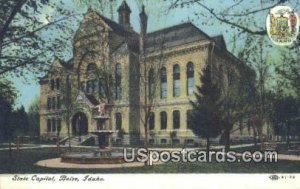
{"points": [[280, 156]]}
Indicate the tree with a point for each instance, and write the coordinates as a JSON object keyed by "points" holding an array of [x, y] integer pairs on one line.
{"points": [[205, 120], [257, 57], [284, 115], [19, 122], [34, 117], [289, 70], [232, 13], [24, 35], [8, 95]]}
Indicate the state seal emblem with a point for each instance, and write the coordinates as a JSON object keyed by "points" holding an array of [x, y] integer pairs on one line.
{"points": [[282, 25]]}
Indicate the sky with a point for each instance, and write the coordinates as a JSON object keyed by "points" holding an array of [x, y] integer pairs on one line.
{"points": [[158, 17]]}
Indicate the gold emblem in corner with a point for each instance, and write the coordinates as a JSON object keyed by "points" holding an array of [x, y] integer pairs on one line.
{"points": [[282, 25]]}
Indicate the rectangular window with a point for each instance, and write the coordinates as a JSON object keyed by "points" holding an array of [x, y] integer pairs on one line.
{"points": [[188, 118], [53, 125], [53, 103], [118, 117], [57, 83], [48, 125], [151, 121], [191, 85], [163, 120], [58, 102], [164, 90], [58, 124], [176, 119], [176, 88], [49, 103]]}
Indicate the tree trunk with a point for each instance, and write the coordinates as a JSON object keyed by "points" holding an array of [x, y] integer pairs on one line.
{"points": [[260, 133], [227, 138], [254, 136], [69, 133], [146, 142], [57, 143], [207, 146], [288, 134], [18, 143], [10, 150]]}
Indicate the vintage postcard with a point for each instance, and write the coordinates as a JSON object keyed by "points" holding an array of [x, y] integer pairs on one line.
{"points": [[95, 92]]}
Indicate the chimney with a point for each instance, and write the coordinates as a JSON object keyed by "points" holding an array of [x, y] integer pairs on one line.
{"points": [[143, 25], [124, 15]]}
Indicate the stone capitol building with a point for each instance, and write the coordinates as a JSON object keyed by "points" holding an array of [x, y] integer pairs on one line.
{"points": [[116, 65]]}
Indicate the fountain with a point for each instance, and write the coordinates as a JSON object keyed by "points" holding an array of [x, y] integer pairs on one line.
{"points": [[103, 155]]}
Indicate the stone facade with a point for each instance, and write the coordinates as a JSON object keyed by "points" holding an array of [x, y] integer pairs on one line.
{"points": [[72, 91]]}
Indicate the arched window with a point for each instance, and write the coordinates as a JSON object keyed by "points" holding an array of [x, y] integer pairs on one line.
{"points": [[118, 77], [151, 120], [91, 67], [163, 120], [176, 80], [151, 82], [188, 119], [118, 118], [163, 83], [176, 119], [102, 87], [91, 86], [190, 78]]}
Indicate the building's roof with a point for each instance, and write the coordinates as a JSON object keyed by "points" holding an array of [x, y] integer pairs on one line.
{"points": [[92, 99], [219, 39], [173, 36], [131, 37], [124, 6], [68, 64]]}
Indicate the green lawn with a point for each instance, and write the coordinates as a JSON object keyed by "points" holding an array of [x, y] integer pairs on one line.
{"points": [[23, 163]]}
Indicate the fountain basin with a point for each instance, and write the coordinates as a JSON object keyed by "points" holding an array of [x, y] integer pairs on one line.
{"points": [[102, 156]]}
